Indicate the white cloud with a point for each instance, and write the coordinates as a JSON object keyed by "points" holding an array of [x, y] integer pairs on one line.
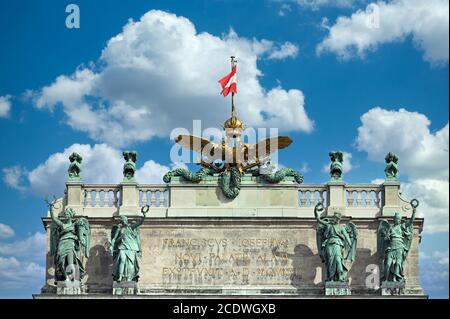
{"points": [[6, 231], [441, 257], [284, 8], [31, 247], [434, 272], [317, 4], [12, 176], [286, 50], [347, 165], [160, 73], [305, 168], [423, 158], [15, 274], [427, 22], [19, 261], [422, 153], [5, 106], [377, 181], [347, 162], [101, 164], [434, 203]]}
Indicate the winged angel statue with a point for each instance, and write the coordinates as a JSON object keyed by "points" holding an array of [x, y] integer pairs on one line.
{"points": [[336, 244], [394, 242], [69, 238]]}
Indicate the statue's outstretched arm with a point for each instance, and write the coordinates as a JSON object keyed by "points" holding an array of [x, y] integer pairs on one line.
{"points": [[317, 208], [144, 211], [55, 219], [414, 203]]}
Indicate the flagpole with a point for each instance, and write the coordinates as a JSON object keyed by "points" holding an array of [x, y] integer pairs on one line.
{"points": [[233, 110]]}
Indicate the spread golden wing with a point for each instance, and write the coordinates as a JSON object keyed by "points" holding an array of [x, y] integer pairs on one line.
{"points": [[265, 147], [208, 149]]}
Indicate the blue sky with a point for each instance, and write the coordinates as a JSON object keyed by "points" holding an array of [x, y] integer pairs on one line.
{"points": [[364, 90]]}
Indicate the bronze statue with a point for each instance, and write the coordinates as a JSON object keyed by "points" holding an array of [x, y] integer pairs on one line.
{"points": [[394, 242], [67, 240], [336, 243], [126, 248]]}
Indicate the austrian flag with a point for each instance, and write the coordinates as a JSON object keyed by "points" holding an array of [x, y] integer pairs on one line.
{"points": [[229, 83]]}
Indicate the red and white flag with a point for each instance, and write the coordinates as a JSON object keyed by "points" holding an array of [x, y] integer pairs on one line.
{"points": [[229, 83]]}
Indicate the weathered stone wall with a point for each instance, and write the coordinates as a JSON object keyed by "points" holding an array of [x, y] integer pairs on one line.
{"points": [[196, 241], [234, 256]]}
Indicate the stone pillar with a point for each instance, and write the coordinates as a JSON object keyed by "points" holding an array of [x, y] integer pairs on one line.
{"points": [[75, 197], [390, 200], [336, 197], [129, 199]]}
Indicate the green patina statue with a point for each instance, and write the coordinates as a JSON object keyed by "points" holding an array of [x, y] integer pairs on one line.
{"points": [[129, 168], [188, 175], [75, 167], [336, 166], [391, 169], [230, 179], [281, 174], [68, 238], [336, 244], [126, 248], [394, 242]]}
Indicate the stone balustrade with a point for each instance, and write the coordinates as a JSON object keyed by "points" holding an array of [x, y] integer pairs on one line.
{"points": [[100, 196], [286, 199], [311, 194], [155, 196]]}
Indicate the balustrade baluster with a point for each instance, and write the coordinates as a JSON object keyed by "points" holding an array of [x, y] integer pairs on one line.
{"points": [[166, 198], [153, 198], [114, 198], [376, 201], [88, 198], [358, 198], [368, 199], [97, 198], [303, 198], [350, 199], [144, 198]]}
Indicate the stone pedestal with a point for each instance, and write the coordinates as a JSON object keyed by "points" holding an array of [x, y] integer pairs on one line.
{"points": [[336, 197], [124, 288], [392, 288], [68, 287], [391, 200], [129, 199], [75, 196], [333, 288]]}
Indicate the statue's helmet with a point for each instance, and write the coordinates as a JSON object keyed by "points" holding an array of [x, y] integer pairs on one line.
{"points": [[397, 217], [337, 216], [124, 219], [69, 213]]}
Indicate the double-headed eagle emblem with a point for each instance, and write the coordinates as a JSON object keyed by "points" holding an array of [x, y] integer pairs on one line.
{"points": [[243, 156]]}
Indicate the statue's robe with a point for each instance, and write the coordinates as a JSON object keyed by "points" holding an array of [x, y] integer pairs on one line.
{"points": [[396, 253], [335, 236], [127, 264], [68, 250]]}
